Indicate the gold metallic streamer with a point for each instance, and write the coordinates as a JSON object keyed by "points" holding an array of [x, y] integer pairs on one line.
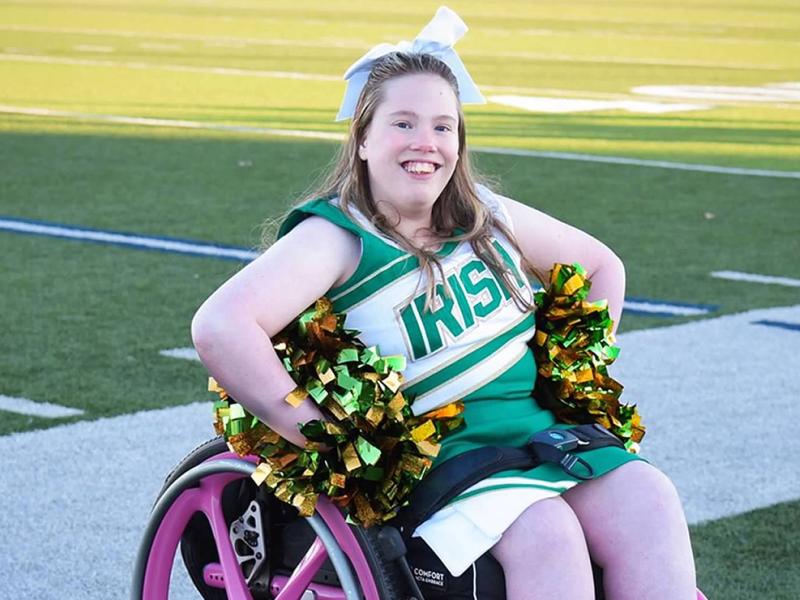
{"points": [[370, 450], [573, 346]]}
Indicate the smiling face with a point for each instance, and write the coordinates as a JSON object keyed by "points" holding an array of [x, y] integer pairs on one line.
{"points": [[411, 145]]}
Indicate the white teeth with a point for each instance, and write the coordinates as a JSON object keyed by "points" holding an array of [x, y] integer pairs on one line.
{"points": [[419, 167]]}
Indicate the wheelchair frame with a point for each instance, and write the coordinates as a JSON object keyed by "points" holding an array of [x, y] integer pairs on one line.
{"points": [[200, 490]]}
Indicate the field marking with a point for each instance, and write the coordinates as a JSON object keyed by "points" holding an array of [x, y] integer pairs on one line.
{"points": [[755, 278], [557, 94], [23, 406], [658, 164], [655, 308], [91, 48], [94, 62], [768, 93], [21, 55], [182, 353], [239, 41], [159, 46], [323, 135], [641, 306], [613, 34], [688, 381], [573, 105], [126, 239], [355, 44], [179, 123], [778, 324], [541, 57], [615, 60]]}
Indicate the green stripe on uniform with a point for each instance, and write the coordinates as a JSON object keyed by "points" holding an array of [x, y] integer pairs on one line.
{"points": [[353, 294], [477, 355], [504, 486]]}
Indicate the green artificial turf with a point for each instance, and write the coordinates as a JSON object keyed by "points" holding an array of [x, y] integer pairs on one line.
{"points": [[750, 556], [83, 323]]}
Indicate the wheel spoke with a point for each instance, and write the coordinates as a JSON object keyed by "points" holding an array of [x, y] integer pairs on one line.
{"points": [[235, 585], [304, 572], [165, 545]]}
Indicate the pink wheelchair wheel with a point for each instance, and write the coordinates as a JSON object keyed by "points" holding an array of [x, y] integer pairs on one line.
{"points": [[196, 490]]}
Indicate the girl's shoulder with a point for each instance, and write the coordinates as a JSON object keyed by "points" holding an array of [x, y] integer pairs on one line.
{"points": [[328, 209], [340, 245]]}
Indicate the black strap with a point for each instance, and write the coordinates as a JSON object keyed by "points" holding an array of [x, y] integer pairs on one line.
{"points": [[560, 445], [461, 472], [455, 475]]}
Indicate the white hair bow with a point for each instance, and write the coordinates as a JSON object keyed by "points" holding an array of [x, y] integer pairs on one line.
{"points": [[437, 38]]}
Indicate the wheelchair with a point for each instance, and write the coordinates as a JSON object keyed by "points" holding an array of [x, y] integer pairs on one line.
{"points": [[238, 542]]}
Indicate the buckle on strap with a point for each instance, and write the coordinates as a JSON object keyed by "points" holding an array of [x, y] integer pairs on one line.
{"points": [[555, 446]]}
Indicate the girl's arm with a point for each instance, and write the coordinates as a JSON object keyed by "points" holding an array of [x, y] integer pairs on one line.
{"points": [[231, 331], [545, 240]]}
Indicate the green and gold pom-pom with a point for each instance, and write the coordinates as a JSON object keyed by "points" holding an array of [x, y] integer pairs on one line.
{"points": [[573, 346], [370, 450], [376, 449]]}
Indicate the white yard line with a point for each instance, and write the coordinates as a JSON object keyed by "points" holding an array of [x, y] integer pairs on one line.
{"points": [[611, 34], [596, 158], [763, 94], [362, 45], [547, 104], [179, 123], [124, 239], [91, 48], [214, 39], [23, 406], [688, 380], [319, 77], [160, 46], [557, 93], [22, 55], [140, 65], [664, 308], [659, 164], [616, 60], [184, 353], [755, 278]]}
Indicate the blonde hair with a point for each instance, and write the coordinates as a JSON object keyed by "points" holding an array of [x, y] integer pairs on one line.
{"points": [[458, 207]]}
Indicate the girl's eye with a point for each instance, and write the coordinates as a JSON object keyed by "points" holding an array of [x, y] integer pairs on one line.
{"points": [[443, 128], [403, 125]]}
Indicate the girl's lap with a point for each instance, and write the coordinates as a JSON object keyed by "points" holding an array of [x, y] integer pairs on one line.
{"points": [[632, 507], [632, 489], [633, 502]]}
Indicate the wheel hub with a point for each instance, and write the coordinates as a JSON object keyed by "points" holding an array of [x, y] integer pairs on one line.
{"points": [[247, 539]]}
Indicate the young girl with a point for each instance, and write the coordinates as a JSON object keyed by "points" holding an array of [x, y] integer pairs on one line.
{"points": [[429, 264]]}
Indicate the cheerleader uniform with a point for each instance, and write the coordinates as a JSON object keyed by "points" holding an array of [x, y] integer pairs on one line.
{"points": [[472, 346]]}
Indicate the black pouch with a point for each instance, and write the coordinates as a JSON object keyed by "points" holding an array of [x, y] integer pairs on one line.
{"points": [[484, 579]]}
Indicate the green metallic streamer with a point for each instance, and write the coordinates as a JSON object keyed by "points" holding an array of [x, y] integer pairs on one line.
{"points": [[573, 347]]}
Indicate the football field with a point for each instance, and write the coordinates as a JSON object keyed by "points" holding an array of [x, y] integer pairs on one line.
{"points": [[144, 144]]}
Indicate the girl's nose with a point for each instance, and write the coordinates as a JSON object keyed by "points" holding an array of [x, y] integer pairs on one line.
{"points": [[423, 141]]}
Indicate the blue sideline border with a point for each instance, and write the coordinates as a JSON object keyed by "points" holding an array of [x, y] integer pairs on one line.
{"points": [[235, 253]]}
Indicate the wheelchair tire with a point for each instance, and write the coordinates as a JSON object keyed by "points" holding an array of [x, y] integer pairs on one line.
{"points": [[197, 542]]}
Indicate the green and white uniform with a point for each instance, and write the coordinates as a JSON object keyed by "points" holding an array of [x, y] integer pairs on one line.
{"points": [[471, 347]]}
